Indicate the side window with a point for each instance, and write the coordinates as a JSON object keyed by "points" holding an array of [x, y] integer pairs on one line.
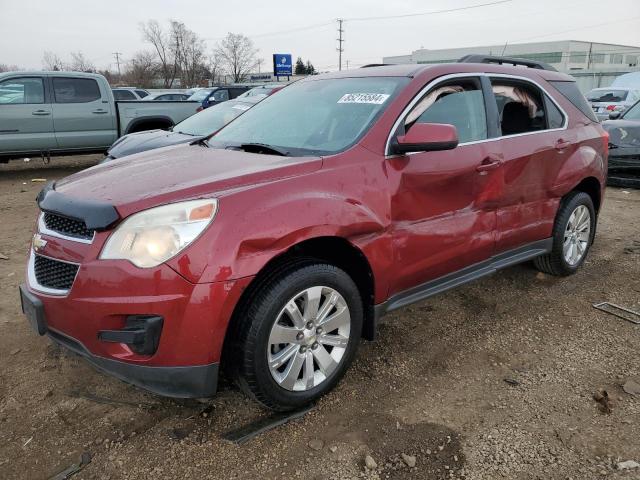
{"points": [[458, 103], [555, 118], [22, 90], [221, 95], [520, 106], [237, 91], [141, 93], [75, 90], [123, 95]]}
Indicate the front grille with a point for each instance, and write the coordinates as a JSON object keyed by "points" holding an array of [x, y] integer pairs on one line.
{"points": [[67, 226], [55, 274]]}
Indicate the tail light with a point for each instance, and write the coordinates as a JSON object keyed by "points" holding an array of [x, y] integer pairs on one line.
{"points": [[199, 109], [605, 142]]}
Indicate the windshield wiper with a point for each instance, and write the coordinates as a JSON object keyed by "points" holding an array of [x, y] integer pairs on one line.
{"points": [[263, 148], [201, 142]]}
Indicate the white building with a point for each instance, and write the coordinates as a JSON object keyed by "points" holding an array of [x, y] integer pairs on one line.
{"points": [[592, 64]]}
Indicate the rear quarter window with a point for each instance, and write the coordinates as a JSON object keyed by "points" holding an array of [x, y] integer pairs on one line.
{"points": [[570, 91], [75, 90]]}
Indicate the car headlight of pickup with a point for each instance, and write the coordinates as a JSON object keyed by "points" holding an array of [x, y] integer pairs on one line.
{"points": [[153, 236]]}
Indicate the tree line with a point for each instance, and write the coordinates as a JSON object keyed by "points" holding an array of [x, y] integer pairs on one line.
{"points": [[173, 52]]}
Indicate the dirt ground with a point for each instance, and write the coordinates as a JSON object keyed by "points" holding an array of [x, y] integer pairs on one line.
{"points": [[432, 387]]}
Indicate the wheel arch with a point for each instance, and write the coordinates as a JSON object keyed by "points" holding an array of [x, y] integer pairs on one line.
{"points": [[591, 186], [155, 122], [334, 250]]}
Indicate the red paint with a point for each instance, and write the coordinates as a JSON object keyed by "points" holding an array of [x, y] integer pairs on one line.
{"points": [[414, 217]]}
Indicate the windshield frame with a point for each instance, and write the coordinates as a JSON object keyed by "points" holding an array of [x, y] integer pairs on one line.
{"points": [[401, 83]]}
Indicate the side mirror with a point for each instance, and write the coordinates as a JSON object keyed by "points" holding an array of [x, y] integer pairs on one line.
{"points": [[427, 137], [614, 115]]}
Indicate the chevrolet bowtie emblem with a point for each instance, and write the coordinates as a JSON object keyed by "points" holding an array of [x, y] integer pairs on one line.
{"points": [[38, 243]]}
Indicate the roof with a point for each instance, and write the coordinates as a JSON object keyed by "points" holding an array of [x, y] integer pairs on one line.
{"points": [[56, 73]]}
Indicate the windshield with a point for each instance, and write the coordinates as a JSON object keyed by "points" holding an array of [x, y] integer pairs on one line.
{"points": [[607, 95], [212, 119], [313, 117], [200, 95], [633, 113]]}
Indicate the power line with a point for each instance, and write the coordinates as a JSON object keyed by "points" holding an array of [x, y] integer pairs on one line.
{"points": [[117, 55], [579, 28], [340, 42], [433, 12]]}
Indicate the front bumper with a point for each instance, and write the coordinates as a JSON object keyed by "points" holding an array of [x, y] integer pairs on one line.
{"points": [[624, 168]]}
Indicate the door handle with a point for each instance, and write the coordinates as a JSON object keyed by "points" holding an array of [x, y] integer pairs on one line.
{"points": [[561, 144], [99, 111], [489, 163], [40, 112]]}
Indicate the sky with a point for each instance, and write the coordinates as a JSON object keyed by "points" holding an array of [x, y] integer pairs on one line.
{"points": [[306, 28]]}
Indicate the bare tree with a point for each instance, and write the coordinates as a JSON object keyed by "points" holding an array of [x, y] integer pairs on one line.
{"points": [[238, 55], [189, 53], [215, 67], [141, 70], [51, 61], [80, 63], [8, 68], [166, 47]]}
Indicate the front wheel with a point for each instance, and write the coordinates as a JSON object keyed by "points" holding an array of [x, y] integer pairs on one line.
{"points": [[298, 335], [573, 234]]}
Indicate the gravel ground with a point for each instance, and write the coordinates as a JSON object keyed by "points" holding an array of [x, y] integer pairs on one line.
{"points": [[428, 400]]}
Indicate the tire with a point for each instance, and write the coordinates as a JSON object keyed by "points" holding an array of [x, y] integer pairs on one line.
{"points": [[268, 316], [556, 262]]}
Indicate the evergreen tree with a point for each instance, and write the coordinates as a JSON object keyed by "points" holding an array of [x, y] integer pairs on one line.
{"points": [[311, 70], [300, 69]]}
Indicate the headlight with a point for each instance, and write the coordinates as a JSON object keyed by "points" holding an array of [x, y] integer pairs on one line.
{"points": [[153, 236]]}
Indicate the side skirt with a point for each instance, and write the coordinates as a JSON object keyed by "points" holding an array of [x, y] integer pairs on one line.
{"points": [[466, 275]]}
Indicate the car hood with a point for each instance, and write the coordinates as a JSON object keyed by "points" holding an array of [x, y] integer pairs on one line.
{"points": [[143, 141], [623, 133], [177, 173]]}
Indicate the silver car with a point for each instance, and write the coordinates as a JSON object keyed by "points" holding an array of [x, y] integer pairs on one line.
{"points": [[605, 101]]}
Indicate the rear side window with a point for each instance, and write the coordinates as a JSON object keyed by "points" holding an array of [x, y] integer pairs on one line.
{"points": [[570, 91], [460, 103], [521, 107], [75, 90], [123, 95], [141, 93], [23, 90]]}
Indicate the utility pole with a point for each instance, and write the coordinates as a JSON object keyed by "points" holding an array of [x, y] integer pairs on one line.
{"points": [[117, 55], [347, 62], [340, 42]]}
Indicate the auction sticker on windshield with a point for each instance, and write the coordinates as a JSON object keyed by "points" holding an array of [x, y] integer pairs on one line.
{"points": [[373, 98]]}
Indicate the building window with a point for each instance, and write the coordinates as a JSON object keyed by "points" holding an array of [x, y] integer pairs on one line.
{"points": [[597, 58], [616, 58], [578, 57], [632, 60], [547, 57]]}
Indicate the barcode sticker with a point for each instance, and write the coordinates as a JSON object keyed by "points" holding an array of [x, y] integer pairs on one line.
{"points": [[372, 98]]}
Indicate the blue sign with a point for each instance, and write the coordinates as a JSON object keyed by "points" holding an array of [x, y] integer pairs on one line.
{"points": [[282, 65]]}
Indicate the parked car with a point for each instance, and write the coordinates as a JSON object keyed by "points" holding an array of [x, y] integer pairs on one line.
{"points": [[128, 93], [624, 145], [59, 113], [167, 97], [197, 127], [212, 96], [264, 90], [607, 100], [274, 247]]}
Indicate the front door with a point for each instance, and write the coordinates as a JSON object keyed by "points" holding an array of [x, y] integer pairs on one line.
{"points": [[444, 206], [26, 120], [82, 114]]}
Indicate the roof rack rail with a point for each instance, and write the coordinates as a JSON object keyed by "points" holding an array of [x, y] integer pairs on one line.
{"points": [[473, 58], [377, 65]]}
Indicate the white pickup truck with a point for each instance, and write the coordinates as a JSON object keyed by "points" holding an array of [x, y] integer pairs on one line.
{"points": [[47, 113]]}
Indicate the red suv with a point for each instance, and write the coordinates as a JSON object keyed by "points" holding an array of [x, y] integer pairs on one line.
{"points": [[273, 247]]}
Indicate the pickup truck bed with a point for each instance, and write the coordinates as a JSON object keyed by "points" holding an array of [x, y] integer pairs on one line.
{"points": [[58, 113]]}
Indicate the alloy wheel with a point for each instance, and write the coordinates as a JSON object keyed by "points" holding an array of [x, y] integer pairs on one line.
{"points": [[577, 235], [309, 338]]}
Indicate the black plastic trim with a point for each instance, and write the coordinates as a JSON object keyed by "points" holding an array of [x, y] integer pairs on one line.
{"points": [[466, 275], [96, 215], [198, 381], [143, 120]]}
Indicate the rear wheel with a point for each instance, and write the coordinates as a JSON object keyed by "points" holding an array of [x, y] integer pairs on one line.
{"points": [[573, 233], [298, 335]]}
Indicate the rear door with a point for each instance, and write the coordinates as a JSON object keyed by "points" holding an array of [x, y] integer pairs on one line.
{"points": [[26, 120], [534, 142], [82, 113]]}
